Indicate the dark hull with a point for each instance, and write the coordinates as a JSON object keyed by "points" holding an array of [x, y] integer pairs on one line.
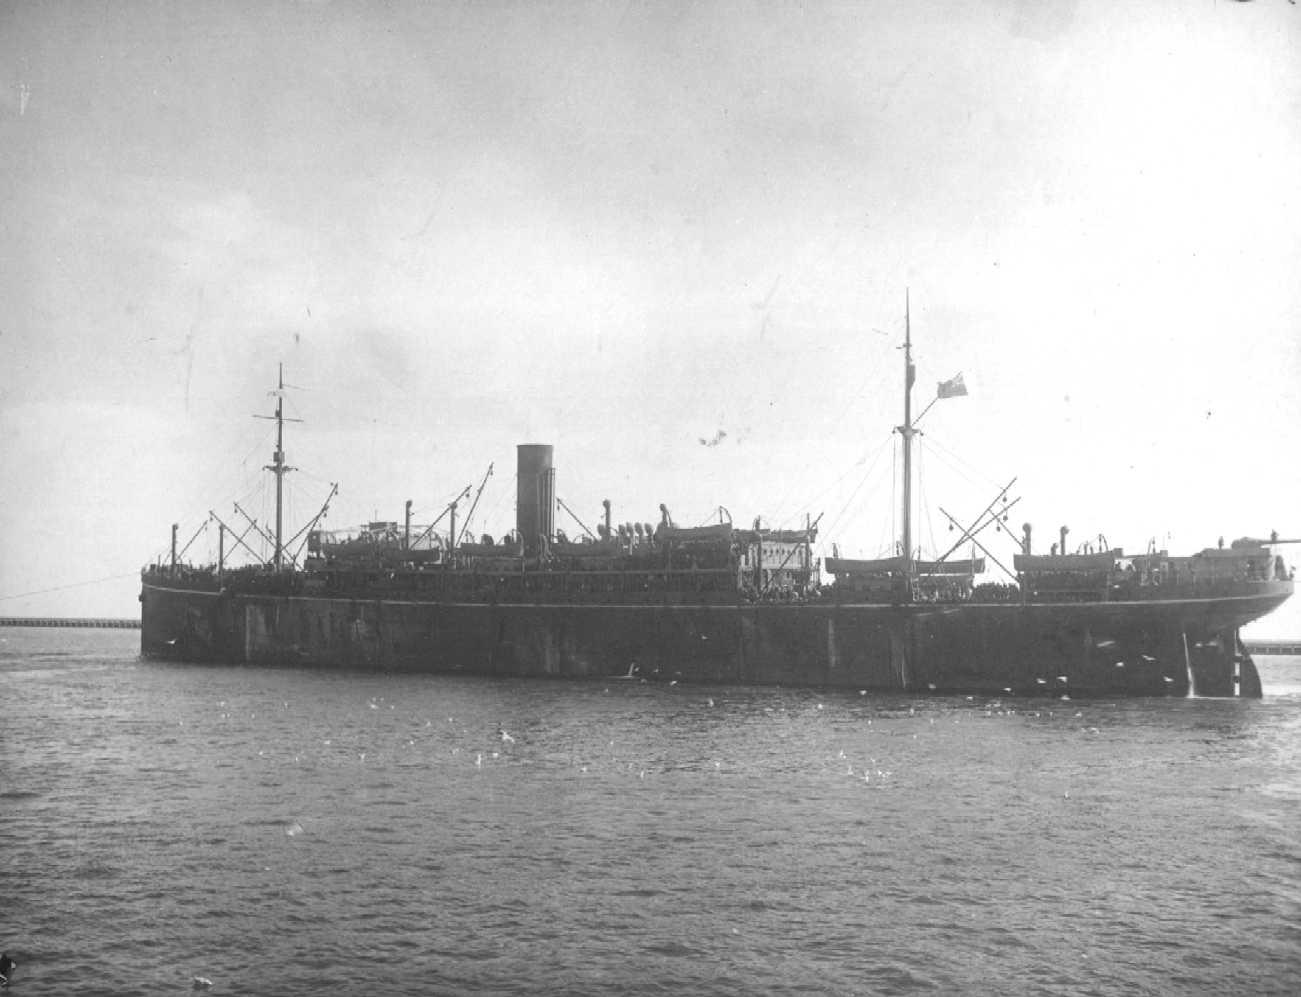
{"points": [[1095, 649]]}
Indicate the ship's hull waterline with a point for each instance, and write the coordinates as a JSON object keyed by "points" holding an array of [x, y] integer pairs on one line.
{"points": [[1077, 649]]}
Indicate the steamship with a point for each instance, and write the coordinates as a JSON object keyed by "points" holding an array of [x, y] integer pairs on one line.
{"points": [[721, 604]]}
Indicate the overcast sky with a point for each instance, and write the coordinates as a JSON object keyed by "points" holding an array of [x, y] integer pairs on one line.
{"points": [[671, 240]]}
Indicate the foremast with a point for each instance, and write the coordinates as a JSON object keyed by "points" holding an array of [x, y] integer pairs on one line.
{"points": [[278, 467]]}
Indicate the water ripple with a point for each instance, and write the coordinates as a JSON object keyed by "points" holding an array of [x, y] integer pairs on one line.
{"points": [[275, 829]]}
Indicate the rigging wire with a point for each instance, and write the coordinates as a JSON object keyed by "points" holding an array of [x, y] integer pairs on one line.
{"points": [[839, 517], [921, 500], [962, 467], [208, 487], [502, 498], [871, 468], [870, 458], [894, 484], [70, 585], [924, 505]]}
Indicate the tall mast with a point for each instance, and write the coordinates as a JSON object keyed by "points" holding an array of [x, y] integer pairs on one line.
{"points": [[278, 467], [906, 430]]}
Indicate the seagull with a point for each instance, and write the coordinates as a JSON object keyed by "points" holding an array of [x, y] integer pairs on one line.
{"points": [[1120, 664], [1042, 681], [505, 738]]}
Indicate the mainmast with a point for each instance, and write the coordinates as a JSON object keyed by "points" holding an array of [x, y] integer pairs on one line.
{"points": [[906, 430]]}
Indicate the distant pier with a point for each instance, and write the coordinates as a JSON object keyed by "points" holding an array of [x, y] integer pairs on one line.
{"points": [[87, 622], [1272, 646]]}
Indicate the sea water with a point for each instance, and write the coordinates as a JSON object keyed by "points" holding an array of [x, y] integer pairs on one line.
{"points": [[287, 831]]}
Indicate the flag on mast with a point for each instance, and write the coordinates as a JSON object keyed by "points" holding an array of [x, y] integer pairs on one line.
{"points": [[952, 388]]}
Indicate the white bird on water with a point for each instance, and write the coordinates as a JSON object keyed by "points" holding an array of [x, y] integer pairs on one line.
{"points": [[505, 737]]}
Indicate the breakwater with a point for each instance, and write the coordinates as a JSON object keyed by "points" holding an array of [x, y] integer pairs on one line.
{"points": [[1272, 646], [96, 623]]}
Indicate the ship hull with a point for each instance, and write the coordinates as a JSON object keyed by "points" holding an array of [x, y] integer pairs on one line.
{"points": [[1069, 649]]}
